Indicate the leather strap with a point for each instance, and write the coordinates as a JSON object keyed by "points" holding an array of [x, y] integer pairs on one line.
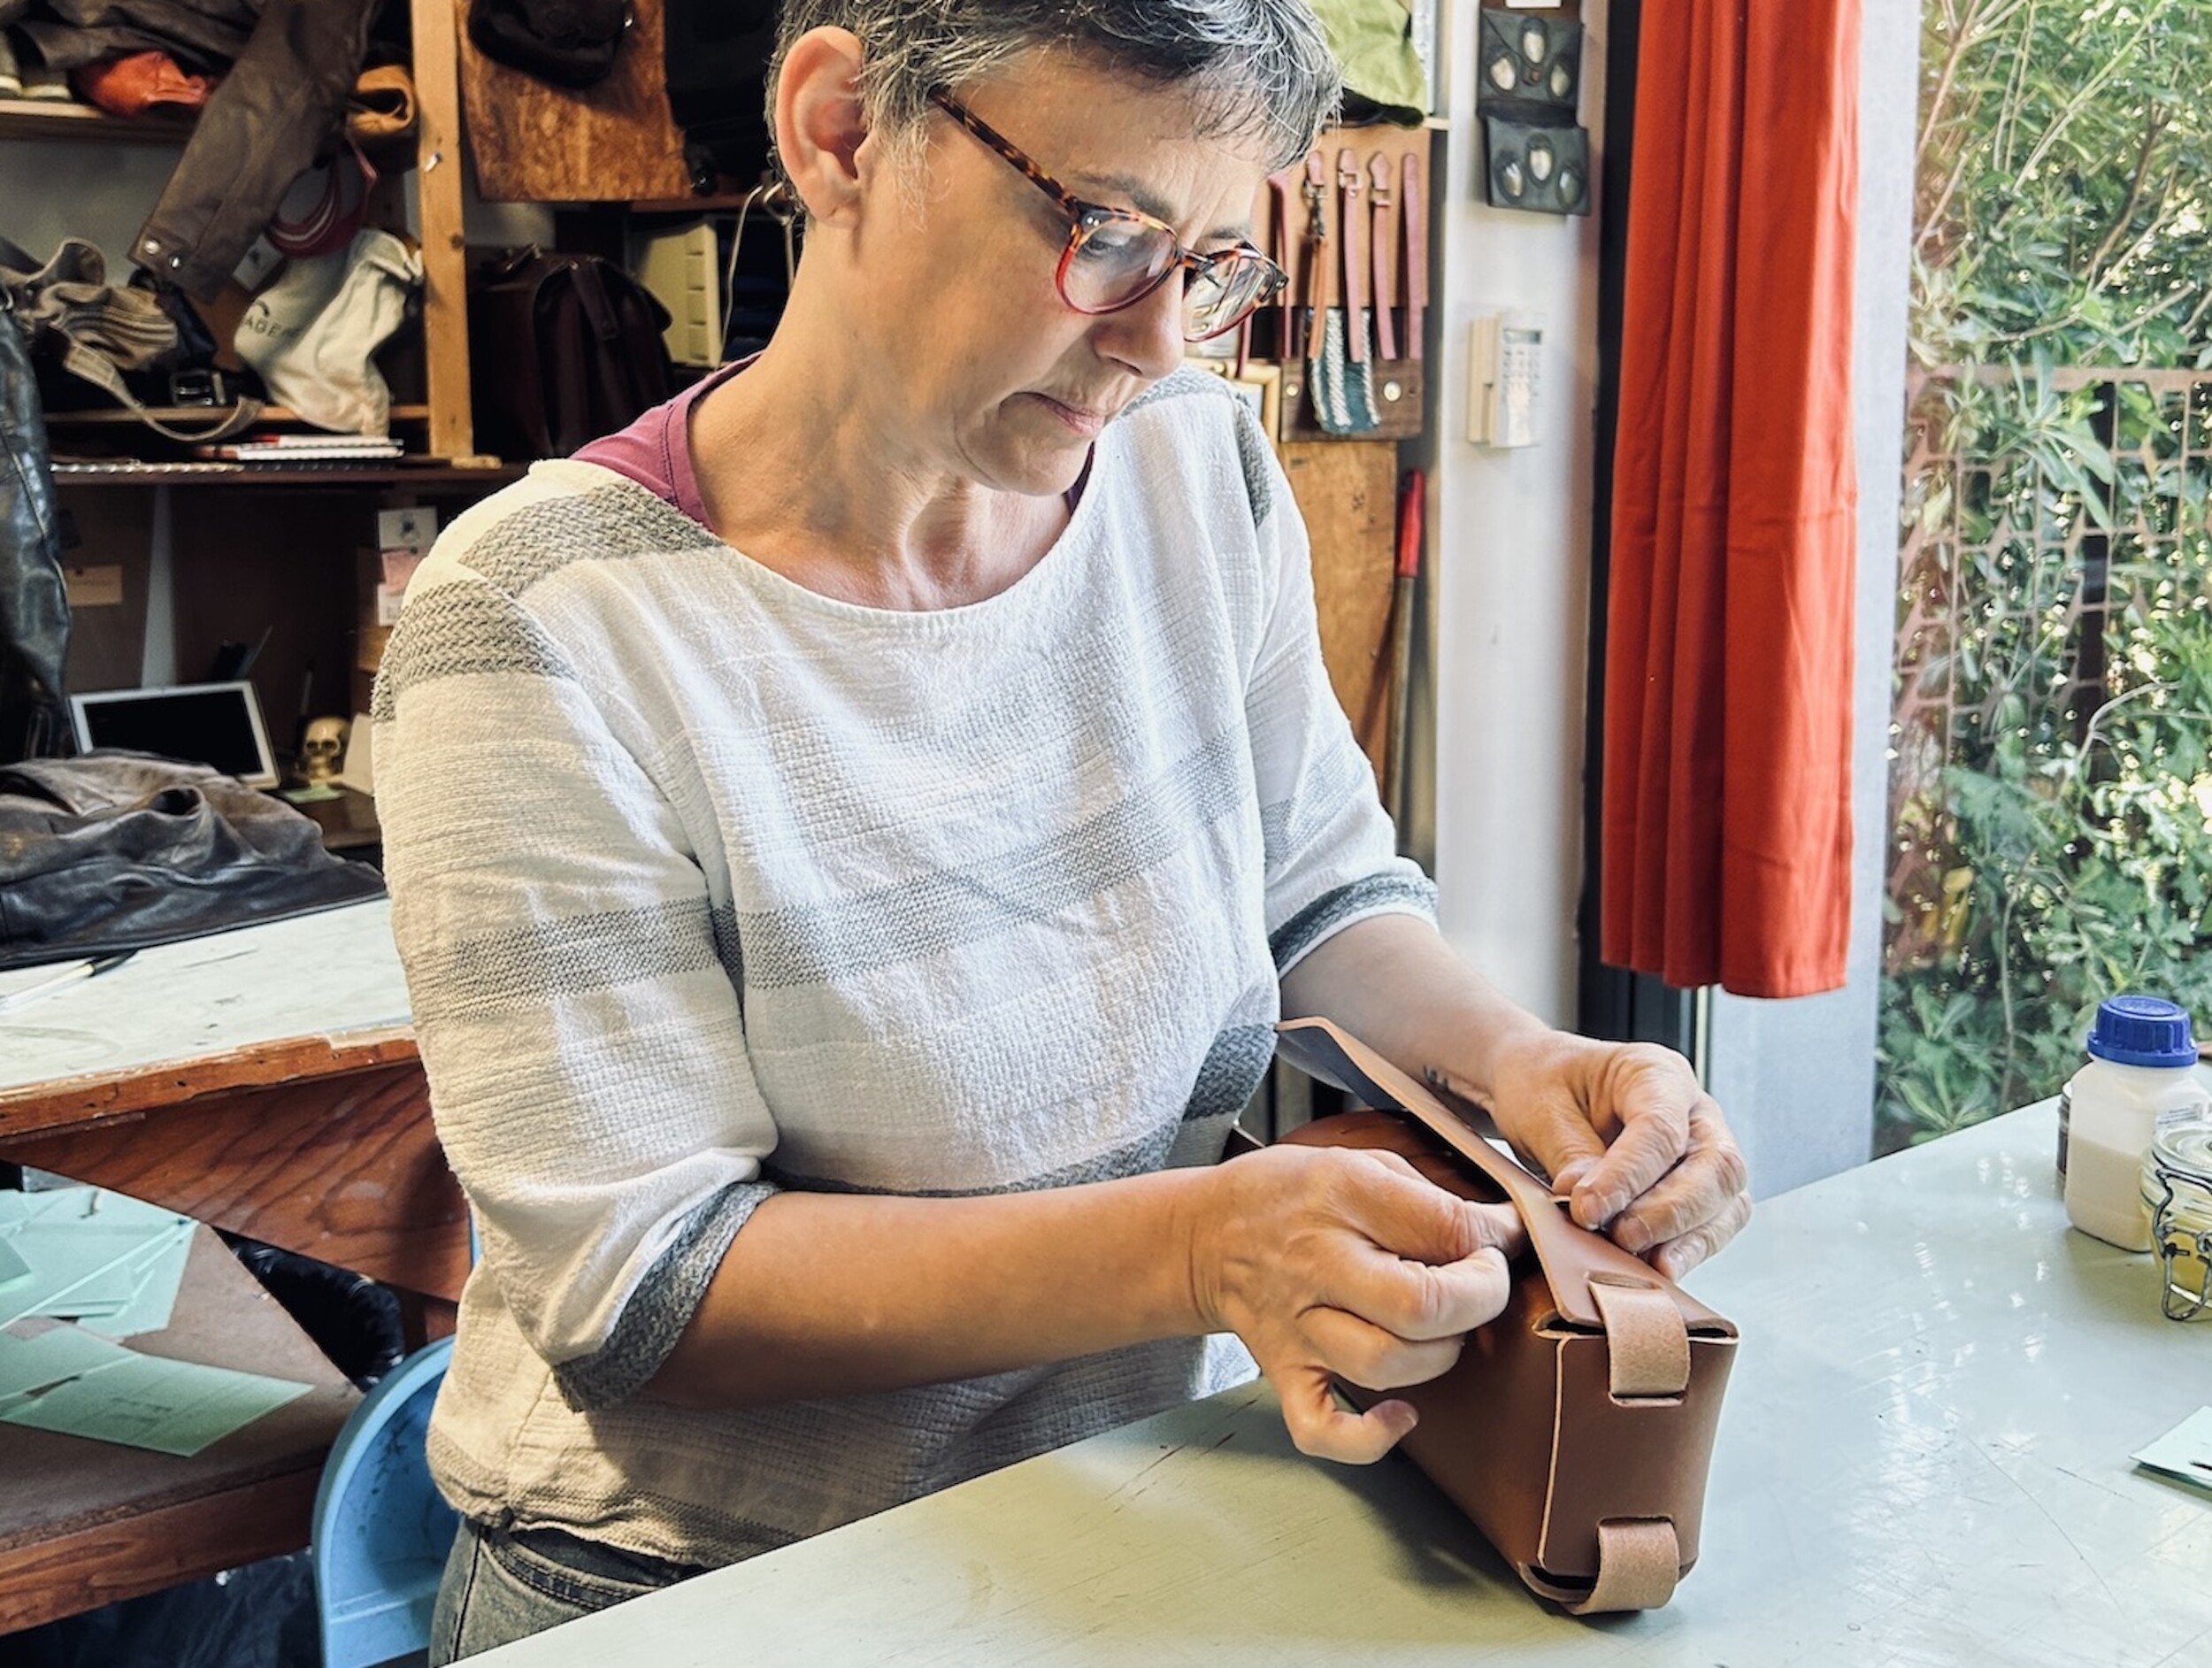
{"points": [[1647, 1341], [1353, 218], [1384, 245], [1279, 251], [1413, 204], [1640, 1562], [1316, 195], [1569, 1254]]}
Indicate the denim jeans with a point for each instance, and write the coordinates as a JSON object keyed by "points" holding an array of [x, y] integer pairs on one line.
{"points": [[502, 1585]]}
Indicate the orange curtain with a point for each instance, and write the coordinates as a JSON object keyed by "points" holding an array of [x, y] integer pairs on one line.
{"points": [[1726, 822]]}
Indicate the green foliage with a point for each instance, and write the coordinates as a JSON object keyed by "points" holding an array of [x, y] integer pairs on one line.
{"points": [[2065, 199], [2054, 840], [2086, 871]]}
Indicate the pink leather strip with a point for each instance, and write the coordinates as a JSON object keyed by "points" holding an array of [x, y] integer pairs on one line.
{"points": [[1384, 245], [1353, 218], [1413, 204], [1279, 251]]}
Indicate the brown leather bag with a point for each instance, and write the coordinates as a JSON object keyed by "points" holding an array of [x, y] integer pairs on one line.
{"points": [[563, 348], [1576, 1429]]}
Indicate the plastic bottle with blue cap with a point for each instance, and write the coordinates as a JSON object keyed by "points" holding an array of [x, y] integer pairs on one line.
{"points": [[2141, 1076]]}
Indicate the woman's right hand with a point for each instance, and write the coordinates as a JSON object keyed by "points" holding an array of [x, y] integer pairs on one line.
{"points": [[1331, 1261]]}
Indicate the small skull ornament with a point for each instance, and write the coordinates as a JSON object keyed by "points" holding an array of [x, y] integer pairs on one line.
{"points": [[322, 750]]}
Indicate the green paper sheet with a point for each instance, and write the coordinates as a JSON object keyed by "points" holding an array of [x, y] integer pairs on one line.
{"points": [[172, 1407], [58, 1354]]}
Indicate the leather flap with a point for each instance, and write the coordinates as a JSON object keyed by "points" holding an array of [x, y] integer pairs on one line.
{"points": [[1571, 1256]]}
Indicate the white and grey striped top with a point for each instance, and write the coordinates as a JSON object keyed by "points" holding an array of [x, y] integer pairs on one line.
{"points": [[707, 885]]}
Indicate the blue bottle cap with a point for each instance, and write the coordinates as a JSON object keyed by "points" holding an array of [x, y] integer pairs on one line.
{"points": [[2142, 1031]]}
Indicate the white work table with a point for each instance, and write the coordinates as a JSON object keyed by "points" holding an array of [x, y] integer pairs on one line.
{"points": [[1922, 1461]]}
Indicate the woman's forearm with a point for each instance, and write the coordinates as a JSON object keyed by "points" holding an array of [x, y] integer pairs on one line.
{"points": [[836, 1294], [1392, 981]]}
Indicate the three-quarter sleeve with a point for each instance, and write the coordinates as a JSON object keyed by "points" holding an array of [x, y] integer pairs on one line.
{"points": [[574, 989]]}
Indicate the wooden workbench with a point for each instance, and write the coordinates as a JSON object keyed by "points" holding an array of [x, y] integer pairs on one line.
{"points": [[264, 1080]]}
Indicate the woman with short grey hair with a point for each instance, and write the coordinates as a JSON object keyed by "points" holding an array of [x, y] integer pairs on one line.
{"points": [[852, 833]]}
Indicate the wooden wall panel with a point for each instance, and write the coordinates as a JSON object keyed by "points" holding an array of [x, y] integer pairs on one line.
{"points": [[261, 557], [533, 143], [1347, 491]]}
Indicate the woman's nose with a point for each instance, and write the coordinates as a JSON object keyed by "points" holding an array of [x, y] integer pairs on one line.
{"points": [[1148, 337]]}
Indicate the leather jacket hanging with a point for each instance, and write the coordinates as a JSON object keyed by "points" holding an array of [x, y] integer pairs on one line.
{"points": [[33, 607], [261, 129]]}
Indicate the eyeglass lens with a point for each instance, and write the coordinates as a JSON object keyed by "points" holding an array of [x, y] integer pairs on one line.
{"points": [[1115, 262]]}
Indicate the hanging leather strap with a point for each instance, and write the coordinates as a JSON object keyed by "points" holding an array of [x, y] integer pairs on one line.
{"points": [[1316, 195], [1294, 293], [1413, 206], [1353, 218], [1384, 246]]}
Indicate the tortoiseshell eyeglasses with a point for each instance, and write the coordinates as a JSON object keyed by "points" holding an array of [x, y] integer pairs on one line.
{"points": [[1115, 258]]}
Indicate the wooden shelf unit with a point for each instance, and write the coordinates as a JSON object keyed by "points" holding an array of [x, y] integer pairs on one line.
{"points": [[271, 417], [65, 119], [428, 473], [450, 430]]}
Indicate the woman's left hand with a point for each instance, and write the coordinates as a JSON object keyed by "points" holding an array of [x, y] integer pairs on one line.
{"points": [[1626, 1134]]}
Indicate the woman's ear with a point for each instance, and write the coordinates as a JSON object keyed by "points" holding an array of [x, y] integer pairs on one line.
{"points": [[820, 122]]}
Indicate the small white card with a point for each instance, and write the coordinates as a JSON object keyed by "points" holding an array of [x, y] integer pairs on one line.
{"points": [[2185, 1451]]}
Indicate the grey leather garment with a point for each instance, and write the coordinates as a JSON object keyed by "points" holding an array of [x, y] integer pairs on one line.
{"points": [[34, 606], [113, 850]]}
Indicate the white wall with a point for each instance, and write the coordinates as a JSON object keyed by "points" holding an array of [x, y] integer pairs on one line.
{"points": [[1510, 544], [50, 189]]}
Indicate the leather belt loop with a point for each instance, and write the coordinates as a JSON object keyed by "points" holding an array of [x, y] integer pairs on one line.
{"points": [[1647, 1341], [1384, 247], [1413, 207], [1353, 219], [1639, 1561]]}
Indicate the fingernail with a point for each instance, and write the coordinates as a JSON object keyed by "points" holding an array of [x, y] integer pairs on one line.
{"points": [[1570, 1174], [1595, 1210], [1634, 1238]]}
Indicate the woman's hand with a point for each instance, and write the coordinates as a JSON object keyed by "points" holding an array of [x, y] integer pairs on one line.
{"points": [[1328, 1261], [1625, 1131]]}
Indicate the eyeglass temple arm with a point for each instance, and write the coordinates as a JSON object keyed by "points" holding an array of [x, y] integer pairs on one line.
{"points": [[1012, 154]]}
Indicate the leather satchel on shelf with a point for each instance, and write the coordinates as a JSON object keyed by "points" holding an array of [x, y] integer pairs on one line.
{"points": [[565, 347], [1577, 1428]]}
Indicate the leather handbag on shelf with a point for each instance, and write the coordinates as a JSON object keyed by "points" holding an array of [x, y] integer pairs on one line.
{"points": [[1577, 1428], [565, 349]]}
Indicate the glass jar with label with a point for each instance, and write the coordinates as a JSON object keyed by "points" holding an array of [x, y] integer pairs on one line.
{"points": [[2177, 1191]]}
